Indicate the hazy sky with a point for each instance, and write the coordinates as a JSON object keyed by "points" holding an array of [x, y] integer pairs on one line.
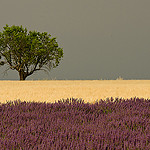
{"points": [[100, 38]]}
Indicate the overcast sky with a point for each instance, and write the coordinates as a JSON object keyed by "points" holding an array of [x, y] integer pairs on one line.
{"points": [[101, 39]]}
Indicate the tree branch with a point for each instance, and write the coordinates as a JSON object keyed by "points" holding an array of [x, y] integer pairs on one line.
{"points": [[31, 72]]}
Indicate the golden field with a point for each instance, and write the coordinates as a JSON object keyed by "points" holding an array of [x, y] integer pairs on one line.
{"points": [[88, 90]]}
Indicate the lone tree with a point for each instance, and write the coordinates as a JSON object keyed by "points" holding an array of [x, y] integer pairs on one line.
{"points": [[22, 50]]}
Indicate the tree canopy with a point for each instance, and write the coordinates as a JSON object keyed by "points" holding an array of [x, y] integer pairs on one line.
{"points": [[28, 52]]}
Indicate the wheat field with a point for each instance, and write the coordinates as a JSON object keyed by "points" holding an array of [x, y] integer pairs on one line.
{"points": [[88, 90]]}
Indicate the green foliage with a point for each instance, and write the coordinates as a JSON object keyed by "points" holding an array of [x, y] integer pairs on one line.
{"points": [[22, 49]]}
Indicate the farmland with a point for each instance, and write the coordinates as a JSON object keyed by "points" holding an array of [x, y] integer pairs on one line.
{"points": [[75, 121], [88, 90]]}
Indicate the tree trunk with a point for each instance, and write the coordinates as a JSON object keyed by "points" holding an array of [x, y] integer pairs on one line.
{"points": [[22, 75]]}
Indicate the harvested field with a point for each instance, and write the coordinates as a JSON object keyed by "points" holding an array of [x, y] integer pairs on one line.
{"points": [[88, 90]]}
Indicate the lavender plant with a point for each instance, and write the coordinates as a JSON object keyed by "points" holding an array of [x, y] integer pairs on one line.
{"points": [[73, 124]]}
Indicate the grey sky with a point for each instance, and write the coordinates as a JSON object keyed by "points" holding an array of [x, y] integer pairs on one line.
{"points": [[100, 38]]}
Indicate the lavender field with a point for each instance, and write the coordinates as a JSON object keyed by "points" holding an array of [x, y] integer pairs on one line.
{"points": [[72, 124]]}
